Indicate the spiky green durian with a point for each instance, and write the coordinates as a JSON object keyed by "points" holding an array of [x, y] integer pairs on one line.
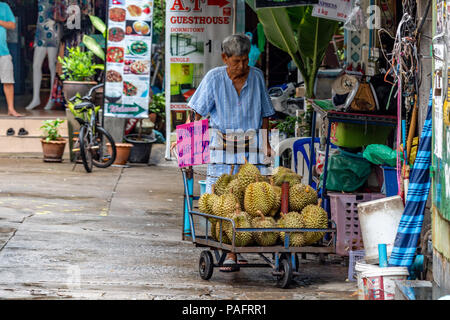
{"points": [[248, 173], [259, 196], [277, 203], [300, 196], [291, 177], [314, 217], [292, 220], [241, 220], [235, 188], [224, 205], [264, 238]]}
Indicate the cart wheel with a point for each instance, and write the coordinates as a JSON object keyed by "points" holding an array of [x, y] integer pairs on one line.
{"points": [[205, 265], [284, 280]]}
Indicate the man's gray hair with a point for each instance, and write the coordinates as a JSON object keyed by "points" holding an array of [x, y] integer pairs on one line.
{"points": [[236, 45]]}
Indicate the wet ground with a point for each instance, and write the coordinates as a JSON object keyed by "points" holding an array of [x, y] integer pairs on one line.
{"points": [[116, 234]]}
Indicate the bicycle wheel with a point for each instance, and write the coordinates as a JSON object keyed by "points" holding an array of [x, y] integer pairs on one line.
{"points": [[102, 155], [85, 148]]}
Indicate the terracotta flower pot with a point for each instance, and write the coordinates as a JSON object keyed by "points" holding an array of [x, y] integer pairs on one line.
{"points": [[53, 150], [71, 88], [122, 152]]}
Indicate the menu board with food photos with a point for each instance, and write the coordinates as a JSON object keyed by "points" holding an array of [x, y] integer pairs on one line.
{"points": [[128, 58]]}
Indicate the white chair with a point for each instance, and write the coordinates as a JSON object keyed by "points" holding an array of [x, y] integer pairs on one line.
{"points": [[282, 147], [302, 166]]}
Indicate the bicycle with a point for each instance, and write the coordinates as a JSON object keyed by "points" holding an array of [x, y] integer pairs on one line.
{"points": [[95, 144]]}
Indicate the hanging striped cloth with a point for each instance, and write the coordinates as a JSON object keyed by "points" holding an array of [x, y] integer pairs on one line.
{"points": [[410, 226]]}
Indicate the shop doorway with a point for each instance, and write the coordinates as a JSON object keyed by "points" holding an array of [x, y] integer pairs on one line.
{"points": [[21, 47], [20, 42]]}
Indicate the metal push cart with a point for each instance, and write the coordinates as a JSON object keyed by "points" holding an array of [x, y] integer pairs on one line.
{"points": [[284, 261]]}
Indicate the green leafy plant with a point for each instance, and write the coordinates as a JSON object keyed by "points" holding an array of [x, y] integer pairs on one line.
{"points": [[304, 37], [96, 45], [288, 125], [50, 128], [158, 104], [78, 65], [159, 16]]}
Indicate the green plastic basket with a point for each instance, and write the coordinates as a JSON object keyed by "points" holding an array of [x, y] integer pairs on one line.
{"points": [[350, 135]]}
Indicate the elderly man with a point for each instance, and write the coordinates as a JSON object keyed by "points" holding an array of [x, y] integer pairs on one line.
{"points": [[236, 99]]}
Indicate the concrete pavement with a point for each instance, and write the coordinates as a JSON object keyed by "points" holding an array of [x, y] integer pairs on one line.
{"points": [[116, 234]]}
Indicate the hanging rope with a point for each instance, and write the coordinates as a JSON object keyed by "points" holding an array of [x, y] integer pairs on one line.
{"points": [[404, 67]]}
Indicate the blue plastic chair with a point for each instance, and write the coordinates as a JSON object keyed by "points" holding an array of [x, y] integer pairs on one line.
{"points": [[299, 146]]}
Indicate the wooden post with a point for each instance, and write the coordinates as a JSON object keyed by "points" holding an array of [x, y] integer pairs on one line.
{"points": [[285, 197]]}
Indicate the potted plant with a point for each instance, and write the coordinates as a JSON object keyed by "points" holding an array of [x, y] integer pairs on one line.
{"points": [[142, 145], [123, 151], [53, 144], [79, 68], [96, 44], [157, 109], [78, 72], [287, 126]]}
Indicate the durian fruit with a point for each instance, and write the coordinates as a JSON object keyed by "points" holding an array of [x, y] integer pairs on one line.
{"points": [[291, 177], [314, 217], [264, 238], [213, 229], [205, 203], [223, 181], [292, 220], [241, 220], [225, 238], [279, 171], [235, 188], [300, 196], [248, 173], [259, 196], [277, 204], [224, 205]]}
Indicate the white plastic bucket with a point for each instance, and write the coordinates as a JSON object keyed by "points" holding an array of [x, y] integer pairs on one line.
{"points": [[360, 267], [379, 284], [379, 220]]}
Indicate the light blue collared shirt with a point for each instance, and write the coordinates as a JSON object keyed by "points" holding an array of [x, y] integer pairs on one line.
{"points": [[217, 97]]}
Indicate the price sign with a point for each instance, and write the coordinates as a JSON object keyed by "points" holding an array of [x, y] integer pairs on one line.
{"points": [[283, 3], [193, 143]]}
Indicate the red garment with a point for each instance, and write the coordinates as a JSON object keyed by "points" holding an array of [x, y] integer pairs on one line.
{"points": [[59, 11]]}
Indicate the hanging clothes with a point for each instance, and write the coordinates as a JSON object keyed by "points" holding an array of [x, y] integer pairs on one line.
{"points": [[87, 7], [410, 226], [48, 29]]}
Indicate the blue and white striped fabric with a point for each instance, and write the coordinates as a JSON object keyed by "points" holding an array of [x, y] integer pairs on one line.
{"points": [[410, 226], [217, 96], [229, 112]]}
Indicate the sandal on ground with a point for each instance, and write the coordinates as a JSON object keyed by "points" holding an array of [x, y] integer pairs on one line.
{"points": [[229, 265], [10, 132], [241, 259], [22, 132]]}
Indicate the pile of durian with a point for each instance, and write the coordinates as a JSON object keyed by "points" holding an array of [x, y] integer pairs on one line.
{"points": [[254, 201]]}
